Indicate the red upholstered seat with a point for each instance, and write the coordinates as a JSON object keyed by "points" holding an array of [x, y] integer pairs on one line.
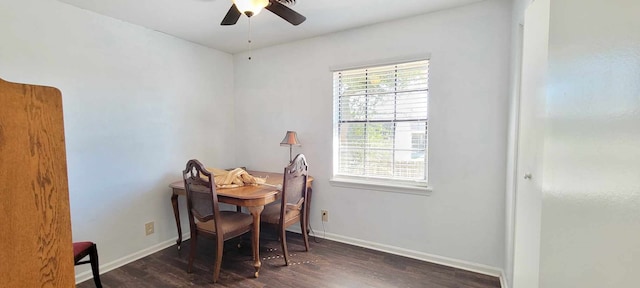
{"points": [[81, 250]]}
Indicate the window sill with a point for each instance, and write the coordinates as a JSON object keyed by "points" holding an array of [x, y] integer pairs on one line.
{"points": [[387, 186]]}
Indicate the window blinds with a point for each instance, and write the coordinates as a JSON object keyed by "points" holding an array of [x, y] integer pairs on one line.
{"points": [[381, 121]]}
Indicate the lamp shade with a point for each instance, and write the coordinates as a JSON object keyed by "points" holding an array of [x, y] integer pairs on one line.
{"points": [[252, 6], [291, 139]]}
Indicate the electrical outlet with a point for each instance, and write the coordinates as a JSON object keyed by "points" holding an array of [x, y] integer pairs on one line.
{"points": [[148, 228], [325, 215]]}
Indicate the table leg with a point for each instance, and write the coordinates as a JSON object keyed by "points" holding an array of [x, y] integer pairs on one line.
{"points": [[255, 245], [176, 214]]}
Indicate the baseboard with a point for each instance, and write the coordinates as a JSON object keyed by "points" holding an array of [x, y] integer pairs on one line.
{"points": [[104, 268], [503, 279], [455, 263]]}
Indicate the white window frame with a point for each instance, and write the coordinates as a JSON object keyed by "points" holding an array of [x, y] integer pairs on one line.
{"points": [[369, 183]]}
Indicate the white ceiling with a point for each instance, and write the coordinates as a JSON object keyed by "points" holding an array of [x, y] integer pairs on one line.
{"points": [[199, 20]]}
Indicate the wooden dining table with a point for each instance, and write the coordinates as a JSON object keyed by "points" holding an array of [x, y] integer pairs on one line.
{"points": [[254, 197]]}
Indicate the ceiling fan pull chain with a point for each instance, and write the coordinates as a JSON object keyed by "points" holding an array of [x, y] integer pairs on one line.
{"points": [[249, 38]]}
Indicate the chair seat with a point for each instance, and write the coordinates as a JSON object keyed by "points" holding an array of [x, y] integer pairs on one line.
{"points": [[84, 249], [80, 250], [271, 214], [230, 220]]}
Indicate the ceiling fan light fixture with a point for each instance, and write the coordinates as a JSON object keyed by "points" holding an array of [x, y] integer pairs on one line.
{"points": [[250, 7]]}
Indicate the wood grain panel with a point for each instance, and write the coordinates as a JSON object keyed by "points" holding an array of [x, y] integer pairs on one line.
{"points": [[35, 234]]}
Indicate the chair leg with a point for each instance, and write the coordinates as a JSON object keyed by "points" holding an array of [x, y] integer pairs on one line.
{"points": [[192, 250], [283, 240], [93, 258], [305, 236], [218, 264]]}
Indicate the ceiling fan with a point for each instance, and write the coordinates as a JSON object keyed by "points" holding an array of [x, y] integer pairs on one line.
{"points": [[253, 7]]}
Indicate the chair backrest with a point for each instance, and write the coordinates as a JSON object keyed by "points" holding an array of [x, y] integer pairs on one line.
{"points": [[294, 189], [202, 199]]}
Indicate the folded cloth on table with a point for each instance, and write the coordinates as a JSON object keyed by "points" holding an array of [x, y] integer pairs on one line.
{"points": [[234, 178]]}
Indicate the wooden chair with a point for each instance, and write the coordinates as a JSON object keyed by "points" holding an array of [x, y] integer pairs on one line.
{"points": [[81, 250], [35, 231], [294, 193], [205, 216]]}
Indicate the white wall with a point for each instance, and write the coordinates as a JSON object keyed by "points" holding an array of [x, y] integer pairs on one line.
{"points": [[289, 87], [137, 105], [591, 197]]}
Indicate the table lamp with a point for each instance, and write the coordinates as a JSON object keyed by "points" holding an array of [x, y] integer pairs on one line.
{"points": [[291, 139]]}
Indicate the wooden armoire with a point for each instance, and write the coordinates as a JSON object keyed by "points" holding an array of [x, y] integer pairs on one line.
{"points": [[35, 227]]}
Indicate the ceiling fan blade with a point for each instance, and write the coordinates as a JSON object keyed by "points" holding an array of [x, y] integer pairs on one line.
{"points": [[285, 12], [232, 16]]}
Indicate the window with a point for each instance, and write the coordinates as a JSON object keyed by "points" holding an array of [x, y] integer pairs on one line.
{"points": [[380, 123]]}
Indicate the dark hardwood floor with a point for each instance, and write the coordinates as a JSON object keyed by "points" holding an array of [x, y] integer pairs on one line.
{"points": [[327, 264]]}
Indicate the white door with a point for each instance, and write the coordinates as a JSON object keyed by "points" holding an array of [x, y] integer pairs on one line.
{"points": [[528, 193]]}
